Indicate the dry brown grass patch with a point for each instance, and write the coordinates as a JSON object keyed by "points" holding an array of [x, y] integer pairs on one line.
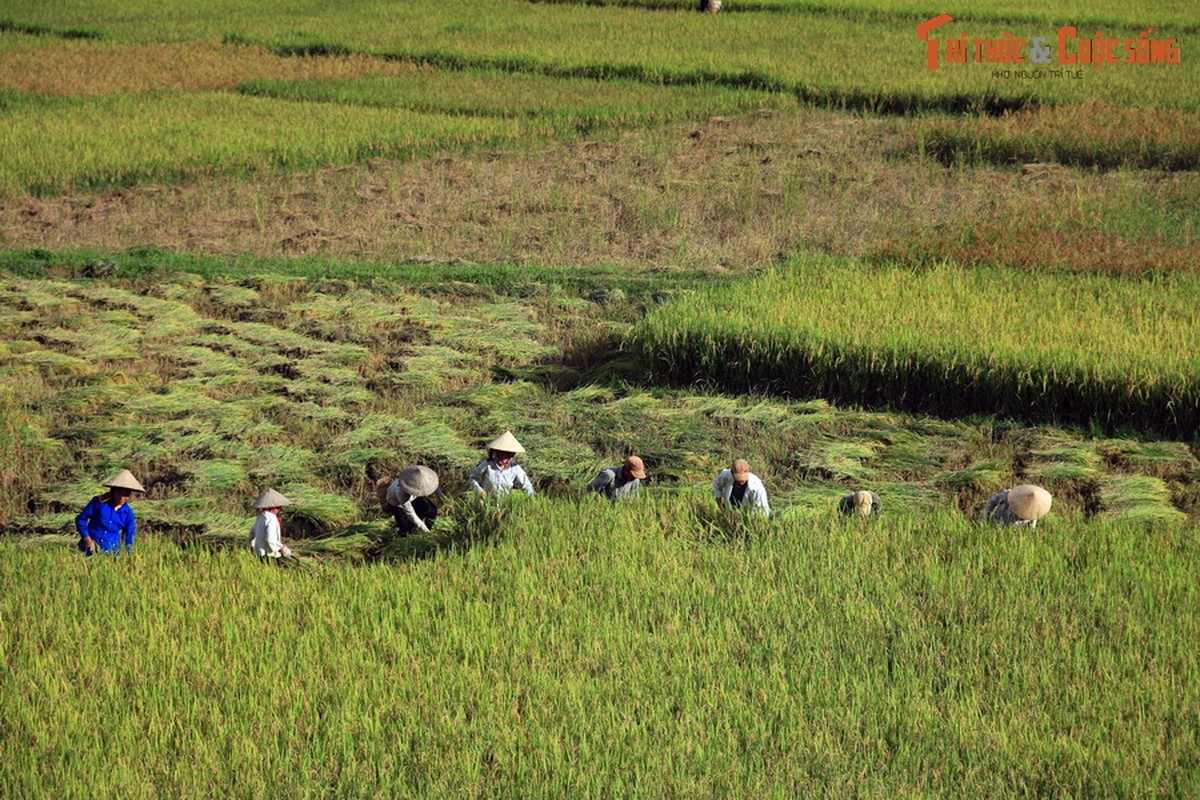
{"points": [[729, 193], [87, 68]]}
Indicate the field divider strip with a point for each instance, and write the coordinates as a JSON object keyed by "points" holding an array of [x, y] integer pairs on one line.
{"points": [[12, 26], [882, 103], [842, 12]]}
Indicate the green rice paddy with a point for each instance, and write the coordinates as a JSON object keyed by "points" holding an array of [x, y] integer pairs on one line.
{"points": [[590, 650], [1084, 349], [562, 646]]}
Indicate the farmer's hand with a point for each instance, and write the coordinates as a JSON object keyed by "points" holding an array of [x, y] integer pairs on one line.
{"points": [[89, 544]]}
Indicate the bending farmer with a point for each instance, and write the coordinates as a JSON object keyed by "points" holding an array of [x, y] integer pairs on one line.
{"points": [[738, 487]]}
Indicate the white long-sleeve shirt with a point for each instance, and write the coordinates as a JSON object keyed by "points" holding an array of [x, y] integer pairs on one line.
{"points": [[756, 494], [398, 498], [489, 478], [266, 537]]}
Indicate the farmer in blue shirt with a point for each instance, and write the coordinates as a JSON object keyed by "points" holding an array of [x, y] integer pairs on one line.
{"points": [[107, 521]]}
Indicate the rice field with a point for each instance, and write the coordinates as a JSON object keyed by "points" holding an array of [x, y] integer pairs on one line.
{"points": [[166, 75], [67, 145], [41, 65], [63, 144], [1092, 134], [1093, 351], [336, 240], [588, 650], [210, 387], [1177, 13], [788, 50], [567, 104]]}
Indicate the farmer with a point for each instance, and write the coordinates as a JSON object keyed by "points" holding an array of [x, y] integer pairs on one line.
{"points": [[498, 473], [406, 498], [266, 535], [620, 483], [863, 503], [107, 520], [738, 487], [1020, 505]]}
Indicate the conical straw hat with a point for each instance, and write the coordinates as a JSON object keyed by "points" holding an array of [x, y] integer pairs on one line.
{"points": [[1029, 502], [124, 480], [506, 443], [419, 481], [271, 499]]}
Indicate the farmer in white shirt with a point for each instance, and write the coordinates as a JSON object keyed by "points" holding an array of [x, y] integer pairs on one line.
{"points": [[499, 474], [738, 487], [266, 537]]}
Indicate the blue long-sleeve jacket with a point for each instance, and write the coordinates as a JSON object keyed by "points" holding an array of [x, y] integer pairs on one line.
{"points": [[107, 526]]}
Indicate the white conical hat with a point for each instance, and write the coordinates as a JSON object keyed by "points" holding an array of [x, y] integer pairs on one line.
{"points": [[124, 480], [271, 499], [506, 443], [419, 481], [1029, 502]]}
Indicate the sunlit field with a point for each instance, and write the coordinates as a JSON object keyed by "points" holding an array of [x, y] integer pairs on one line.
{"points": [[641, 651], [304, 246], [1091, 350]]}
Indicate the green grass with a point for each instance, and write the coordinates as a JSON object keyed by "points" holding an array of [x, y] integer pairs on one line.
{"points": [[74, 144], [70, 144], [563, 646], [1091, 350], [592, 651], [561, 104], [320, 273], [625, 54], [1176, 15]]}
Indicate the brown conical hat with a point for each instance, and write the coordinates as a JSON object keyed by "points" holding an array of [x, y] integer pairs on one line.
{"points": [[636, 467], [124, 480], [1029, 502], [506, 443], [271, 499], [419, 481]]}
